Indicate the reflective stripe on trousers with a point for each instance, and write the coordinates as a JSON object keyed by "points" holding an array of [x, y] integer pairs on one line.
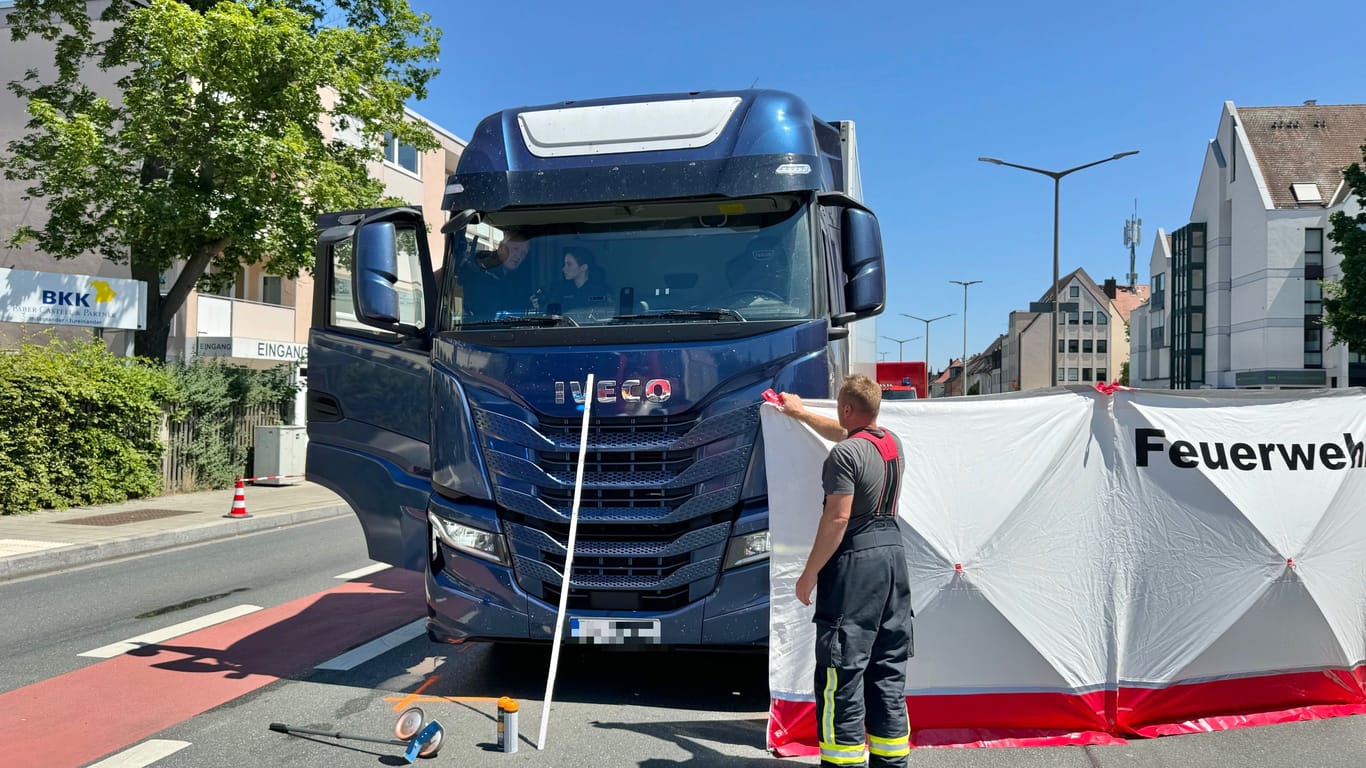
{"points": [[833, 753]]}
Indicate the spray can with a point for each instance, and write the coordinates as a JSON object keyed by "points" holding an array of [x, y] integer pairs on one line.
{"points": [[507, 724]]}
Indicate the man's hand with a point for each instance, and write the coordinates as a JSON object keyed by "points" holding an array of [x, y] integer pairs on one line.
{"points": [[825, 426], [805, 584], [790, 404]]}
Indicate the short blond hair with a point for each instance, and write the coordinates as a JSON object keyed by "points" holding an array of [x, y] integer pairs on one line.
{"points": [[862, 394]]}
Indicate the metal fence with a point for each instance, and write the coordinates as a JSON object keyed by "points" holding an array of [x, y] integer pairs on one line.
{"points": [[233, 436]]}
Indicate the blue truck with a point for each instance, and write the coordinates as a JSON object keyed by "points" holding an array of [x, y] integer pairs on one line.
{"points": [[690, 251]]}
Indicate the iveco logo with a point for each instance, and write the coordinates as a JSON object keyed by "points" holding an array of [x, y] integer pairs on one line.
{"points": [[631, 391]]}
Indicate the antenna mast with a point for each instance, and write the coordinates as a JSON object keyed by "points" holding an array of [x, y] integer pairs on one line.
{"points": [[1132, 235]]}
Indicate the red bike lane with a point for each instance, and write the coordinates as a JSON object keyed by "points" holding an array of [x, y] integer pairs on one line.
{"points": [[81, 716]]}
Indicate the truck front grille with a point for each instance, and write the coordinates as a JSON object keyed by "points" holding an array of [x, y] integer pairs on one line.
{"points": [[659, 498]]}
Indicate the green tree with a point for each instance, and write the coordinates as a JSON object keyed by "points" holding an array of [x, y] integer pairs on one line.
{"points": [[1344, 301], [211, 154], [1124, 373]]}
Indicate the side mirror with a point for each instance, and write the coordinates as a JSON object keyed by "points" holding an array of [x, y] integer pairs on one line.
{"points": [[375, 275], [865, 287]]}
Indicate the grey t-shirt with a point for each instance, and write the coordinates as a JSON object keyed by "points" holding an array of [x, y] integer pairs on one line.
{"points": [[854, 466]]}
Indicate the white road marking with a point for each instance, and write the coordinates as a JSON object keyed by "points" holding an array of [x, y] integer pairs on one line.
{"points": [[366, 571], [183, 628], [146, 753], [358, 656]]}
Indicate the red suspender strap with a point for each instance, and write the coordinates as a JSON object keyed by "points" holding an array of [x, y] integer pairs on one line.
{"points": [[891, 484]]}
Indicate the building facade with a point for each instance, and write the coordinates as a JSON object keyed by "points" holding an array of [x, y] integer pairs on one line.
{"points": [[1093, 338], [1241, 283], [260, 319]]}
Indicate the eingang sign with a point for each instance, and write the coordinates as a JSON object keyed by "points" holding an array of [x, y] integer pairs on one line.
{"points": [[57, 298], [251, 349]]}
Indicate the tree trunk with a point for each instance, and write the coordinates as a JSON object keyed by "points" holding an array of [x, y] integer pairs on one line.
{"points": [[161, 310]]}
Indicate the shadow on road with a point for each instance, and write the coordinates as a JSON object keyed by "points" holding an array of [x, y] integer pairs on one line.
{"points": [[690, 737], [287, 649]]}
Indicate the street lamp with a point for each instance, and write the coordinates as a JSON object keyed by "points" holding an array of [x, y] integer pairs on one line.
{"points": [[927, 339], [900, 342], [965, 331], [1056, 176]]}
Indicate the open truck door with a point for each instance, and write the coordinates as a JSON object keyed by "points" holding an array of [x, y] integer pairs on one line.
{"points": [[369, 370]]}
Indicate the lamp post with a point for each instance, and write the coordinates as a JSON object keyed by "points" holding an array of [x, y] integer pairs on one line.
{"points": [[927, 339], [1056, 176], [900, 342], [965, 285]]}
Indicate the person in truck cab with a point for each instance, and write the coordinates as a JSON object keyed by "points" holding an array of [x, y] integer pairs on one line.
{"points": [[493, 281], [583, 284]]}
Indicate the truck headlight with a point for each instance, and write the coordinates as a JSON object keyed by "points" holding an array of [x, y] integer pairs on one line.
{"points": [[746, 549], [486, 545]]}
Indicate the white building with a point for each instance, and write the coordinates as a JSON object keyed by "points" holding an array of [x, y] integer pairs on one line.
{"points": [[1237, 291]]}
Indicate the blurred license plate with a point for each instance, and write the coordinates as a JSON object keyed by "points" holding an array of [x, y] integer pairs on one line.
{"points": [[614, 631]]}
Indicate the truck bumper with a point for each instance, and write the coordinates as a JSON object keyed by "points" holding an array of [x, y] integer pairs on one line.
{"points": [[479, 600]]}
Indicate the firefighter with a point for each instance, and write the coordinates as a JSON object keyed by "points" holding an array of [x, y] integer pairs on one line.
{"points": [[857, 567]]}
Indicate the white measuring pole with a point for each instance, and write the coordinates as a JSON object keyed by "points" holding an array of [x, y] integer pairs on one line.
{"points": [[568, 563]]}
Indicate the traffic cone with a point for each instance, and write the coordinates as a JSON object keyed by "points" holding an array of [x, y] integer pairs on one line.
{"points": [[239, 503]]}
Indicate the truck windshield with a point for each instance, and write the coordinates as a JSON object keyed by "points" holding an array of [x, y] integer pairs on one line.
{"points": [[679, 262]]}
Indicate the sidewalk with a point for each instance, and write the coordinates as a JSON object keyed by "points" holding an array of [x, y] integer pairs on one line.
{"points": [[50, 540]]}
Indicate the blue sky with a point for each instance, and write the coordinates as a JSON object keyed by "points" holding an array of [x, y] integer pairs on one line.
{"points": [[932, 87]]}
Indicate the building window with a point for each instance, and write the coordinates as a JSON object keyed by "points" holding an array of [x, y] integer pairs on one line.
{"points": [[271, 286], [1100, 374], [1071, 374], [1085, 374], [1159, 295], [1102, 318], [1313, 248], [1088, 318], [1062, 375], [1062, 345], [1074, 291], [1355, 358], [1103, 345], [1313, 347], [1086, 345], [346, 129], [1313, 298], [1062, 318], [1072, 346], [402, 155], [1072, 318], [237, 289], [1188, 307]]}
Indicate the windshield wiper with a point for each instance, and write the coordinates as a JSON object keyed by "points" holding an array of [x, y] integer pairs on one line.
{"points": [[534, 321], [710, 313]]}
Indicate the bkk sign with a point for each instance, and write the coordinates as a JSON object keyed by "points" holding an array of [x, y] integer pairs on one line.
{"points": [[250, 349], [56, 298]]}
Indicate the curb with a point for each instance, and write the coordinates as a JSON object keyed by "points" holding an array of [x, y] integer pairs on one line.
{"points": [[49, 560]]}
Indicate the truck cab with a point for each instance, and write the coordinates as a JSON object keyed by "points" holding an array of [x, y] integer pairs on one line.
{"points": [[688, 250]]}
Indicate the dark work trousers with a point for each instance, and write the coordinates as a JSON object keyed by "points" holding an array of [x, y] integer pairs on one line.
{"points": [[863, 641]]}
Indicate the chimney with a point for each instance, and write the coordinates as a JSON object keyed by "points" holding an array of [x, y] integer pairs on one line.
{"points": [[1111, 288], [1311, 102]]}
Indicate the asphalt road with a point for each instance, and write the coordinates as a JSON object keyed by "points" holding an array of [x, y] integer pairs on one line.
{"points": [[611, 708], [49, 620]]}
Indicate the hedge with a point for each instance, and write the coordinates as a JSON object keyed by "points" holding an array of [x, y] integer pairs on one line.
{"points": [[78, 426]]}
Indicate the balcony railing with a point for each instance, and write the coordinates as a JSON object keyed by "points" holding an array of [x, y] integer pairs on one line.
{"points": [[219, 316]]}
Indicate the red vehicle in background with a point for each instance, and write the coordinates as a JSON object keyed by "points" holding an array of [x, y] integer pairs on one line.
{"points": [[902, 381]]}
